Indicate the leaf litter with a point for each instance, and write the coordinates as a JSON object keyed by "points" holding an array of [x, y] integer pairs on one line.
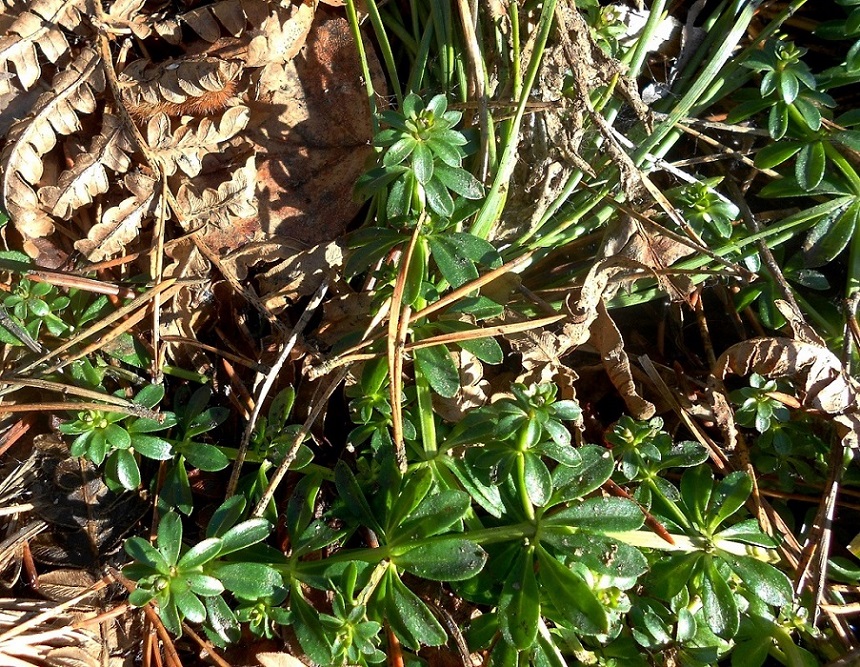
{"points": [[253, 136]]}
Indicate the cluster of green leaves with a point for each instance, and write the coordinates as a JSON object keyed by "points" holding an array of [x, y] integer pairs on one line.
{"points": [[797, 104], [114, 438], [188, 583], [422, 162], [38, 307], [784, 447]]}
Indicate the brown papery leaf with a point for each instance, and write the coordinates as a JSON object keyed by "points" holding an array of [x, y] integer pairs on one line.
{"points": [[312, 135], [233, 200], [39, 24], [88, 177], [607, 339], [56, 112], [824, 383]]}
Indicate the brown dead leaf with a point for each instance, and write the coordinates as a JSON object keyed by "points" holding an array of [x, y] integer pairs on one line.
{"points": [[606, 337], [819, 376], [271, 659], [473, 393], [629, 238], [312, 135], [300, 275]]}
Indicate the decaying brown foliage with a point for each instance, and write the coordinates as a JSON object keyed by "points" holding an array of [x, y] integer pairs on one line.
{"points": [[206, 118]]}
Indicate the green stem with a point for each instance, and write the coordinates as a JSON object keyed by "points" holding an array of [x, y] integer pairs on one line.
{"points": [[495, 200], [385, 47], [355, 28]]}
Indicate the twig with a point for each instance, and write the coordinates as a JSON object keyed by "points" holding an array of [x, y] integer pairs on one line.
{"points": [[318, 403], [271, 376]]}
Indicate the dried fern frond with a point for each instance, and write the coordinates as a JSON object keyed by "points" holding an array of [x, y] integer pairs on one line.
{"points": [[120, 224], [185, 148], [192, 87], [40, 24], [88, 177], [56, 112], [234, 15], [234, 199]]}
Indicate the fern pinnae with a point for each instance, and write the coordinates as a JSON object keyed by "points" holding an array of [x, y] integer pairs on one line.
{"points": [[42, 24], [56, 112]]}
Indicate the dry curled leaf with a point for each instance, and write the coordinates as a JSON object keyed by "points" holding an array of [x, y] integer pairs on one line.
{"points": [[39, 24], [313, 135], [606, 337], [192, 86], [185, 147], [818, 374], [233, 199]]}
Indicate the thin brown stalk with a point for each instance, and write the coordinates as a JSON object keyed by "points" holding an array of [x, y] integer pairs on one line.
{"points": [[269, 382], [398, 321], [319, 401]]}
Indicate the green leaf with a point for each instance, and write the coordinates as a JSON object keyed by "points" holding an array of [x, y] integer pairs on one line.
{"points": [[454, 266], [599, 515], [718, 602], [302, 505], [142, 551], [537, 479], [487, 349], [730, 495], [176, 492], [438, 368], [571, 482], [763, 579], [140, 596], [206, 421], [200, 553], [460, 181], [125, 469], [422, 162], [248, 580], [146, 425], [519, 604], [244, 535], [352, 495], [202, 584], [152, 447], [169, 539], [810, 165], [309, 630], [436, 513], [572, 598], [450, 559], [775, 154], [399, 151], [696, 487], [412, 622], [226, 516], [448, 154], [477, 249], [189, 606], [669, 576], [416, 272], [150, 395], [831, 235], [222, 620], [205, 457], [437, 105], [438, 197]]}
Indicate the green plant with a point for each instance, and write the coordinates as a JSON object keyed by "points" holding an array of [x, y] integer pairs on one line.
{"points": [[115, 438], [176, 578], [422, 162], [32, 305]]}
